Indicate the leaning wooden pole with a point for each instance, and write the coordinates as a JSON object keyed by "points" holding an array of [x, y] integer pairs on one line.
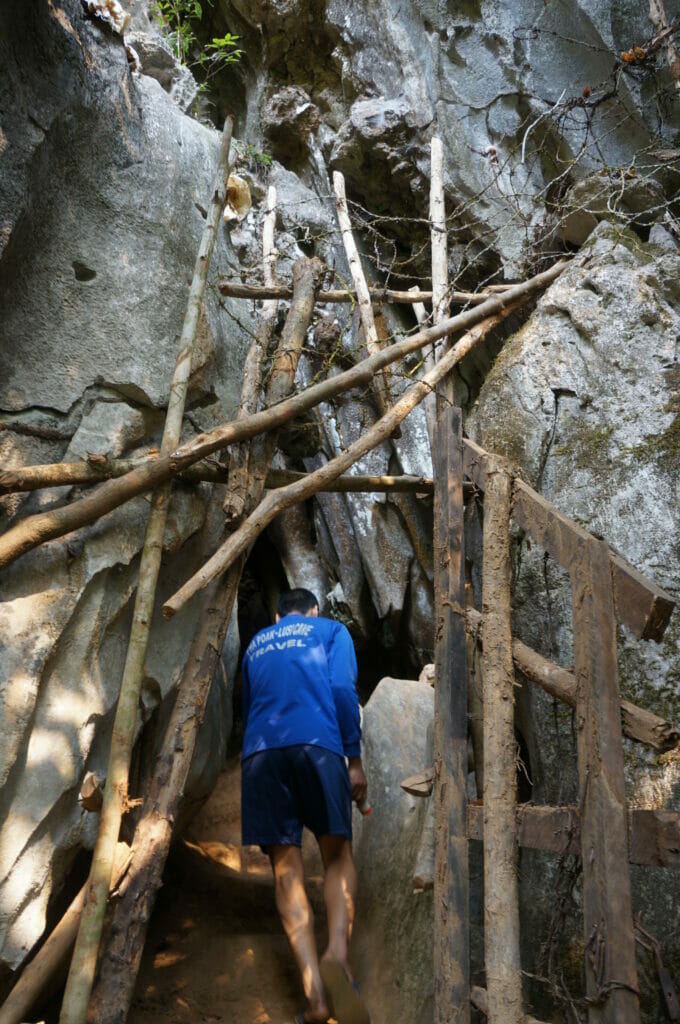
{"points": [[382, 391], [501, 895], [277, 501], [451, 878], [84, 961]]}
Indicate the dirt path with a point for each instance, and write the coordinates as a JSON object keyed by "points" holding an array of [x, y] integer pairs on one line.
{"points": [[216, 951]]}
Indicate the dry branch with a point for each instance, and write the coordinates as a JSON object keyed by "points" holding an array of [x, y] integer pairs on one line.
{"points": [[637, 723], [480, 1000], [44, 526], [378, 296], [84, 961], [276, 501], [382, 391]]}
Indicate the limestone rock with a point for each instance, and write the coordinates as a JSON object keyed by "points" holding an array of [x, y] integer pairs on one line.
{"points": [[393, 963], [288, 119]]}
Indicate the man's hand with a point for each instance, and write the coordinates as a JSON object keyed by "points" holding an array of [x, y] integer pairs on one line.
{"points": [[357, 780]]}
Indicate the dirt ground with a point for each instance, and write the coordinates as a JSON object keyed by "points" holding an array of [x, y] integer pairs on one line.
{"points": [[215, 950]]}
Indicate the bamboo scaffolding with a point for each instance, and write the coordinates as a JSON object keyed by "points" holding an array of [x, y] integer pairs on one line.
{"points": [[84, 961], [121, 959], [501, 892], [34, 530], [277, 501]]}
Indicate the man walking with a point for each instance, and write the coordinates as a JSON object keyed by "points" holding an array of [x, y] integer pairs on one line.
{"points": [[301, 720]]}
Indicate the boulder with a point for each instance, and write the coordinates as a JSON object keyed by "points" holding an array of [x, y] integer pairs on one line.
{"points": [[392, 944]]}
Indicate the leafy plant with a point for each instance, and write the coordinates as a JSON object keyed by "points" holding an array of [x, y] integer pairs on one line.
{"points": [[180, 18], [248, 153]]}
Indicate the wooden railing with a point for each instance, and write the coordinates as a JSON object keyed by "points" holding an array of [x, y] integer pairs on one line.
{"points": [[605, 589]]}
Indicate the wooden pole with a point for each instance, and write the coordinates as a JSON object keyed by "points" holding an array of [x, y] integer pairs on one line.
{"points": [[378, 296], [611, 971], [44, 526], [501, 895], [451, 880], [83, 964], [277, 501], [382, 392], [52, 957], [235, 497]]}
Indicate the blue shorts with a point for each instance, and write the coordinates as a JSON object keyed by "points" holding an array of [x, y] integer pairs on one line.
{"points": [[287, 788]]}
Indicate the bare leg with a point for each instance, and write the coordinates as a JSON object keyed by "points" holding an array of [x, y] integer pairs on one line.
{"points": [[298, 923], [339, 893]]}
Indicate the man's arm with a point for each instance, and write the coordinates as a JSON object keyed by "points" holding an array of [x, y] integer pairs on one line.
{"points": [[342, 665]]}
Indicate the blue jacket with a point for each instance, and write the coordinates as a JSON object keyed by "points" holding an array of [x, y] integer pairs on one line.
{"points": [[299, 686]]}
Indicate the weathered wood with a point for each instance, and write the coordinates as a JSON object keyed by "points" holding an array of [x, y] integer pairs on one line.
{"points": [[235, 498], [475, 690], [451, 879], [440, 270], [611, 972], [480, 1000], [34, 530], [57, 474], [277, 501], [420, 784], [640, 604], [52, 958], [653, 835], [501, 895], [380, 384], [637, 723], [378, 296], [84, 961]]}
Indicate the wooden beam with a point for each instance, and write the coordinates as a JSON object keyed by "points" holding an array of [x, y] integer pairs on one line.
{"points": [[653, 835], [610, 966], [501, 891], [451, 881], [637, 723], [378, 296], [639, 604]]}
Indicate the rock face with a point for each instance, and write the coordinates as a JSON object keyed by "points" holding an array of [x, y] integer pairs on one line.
{"points": [[102, 189]]}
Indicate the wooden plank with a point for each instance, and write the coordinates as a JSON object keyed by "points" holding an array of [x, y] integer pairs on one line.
{"points": [[611, 971], [637, 723], [653, 835], [451, 882], [501, 894], [639, 603]]}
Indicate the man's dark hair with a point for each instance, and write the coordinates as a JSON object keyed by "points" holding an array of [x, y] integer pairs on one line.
{"points": [[296, 600]]}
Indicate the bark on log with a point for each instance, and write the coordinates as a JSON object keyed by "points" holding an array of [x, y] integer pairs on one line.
{"points": [[480, 1000], [39, 528], [51, 959], [637, 723], [501, 894], [277, 501], [380, 384], [378, 296], [83, 964], [122, 957]]}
